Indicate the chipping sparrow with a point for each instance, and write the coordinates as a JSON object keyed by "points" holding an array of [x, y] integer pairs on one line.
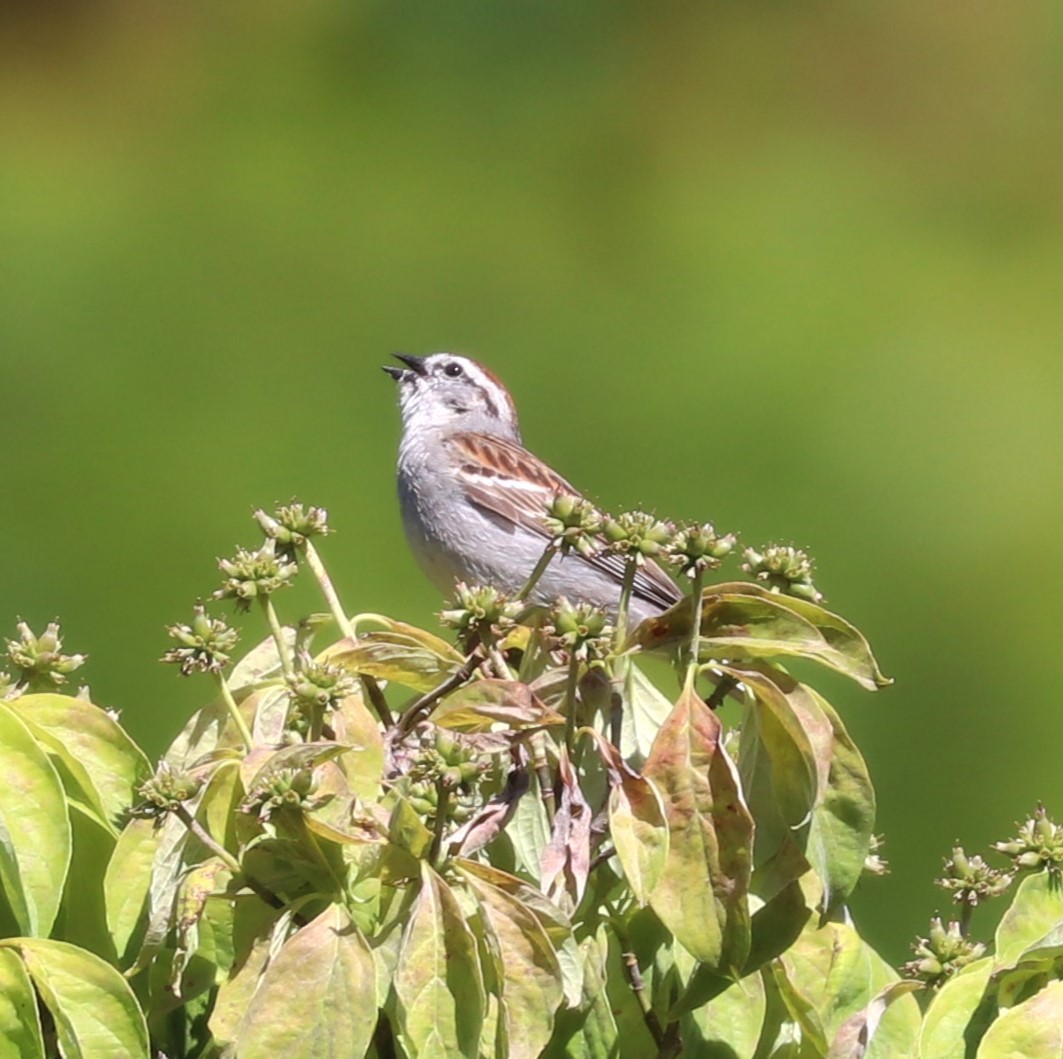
{"points": [[474, 499]]}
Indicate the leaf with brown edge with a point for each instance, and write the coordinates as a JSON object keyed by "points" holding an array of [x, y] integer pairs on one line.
{"points": [[784, 761], [481, 706], [528, 969], [566, 860], [492, 818], [399, 652], [742, 620], [637, 821], [701, 894]]}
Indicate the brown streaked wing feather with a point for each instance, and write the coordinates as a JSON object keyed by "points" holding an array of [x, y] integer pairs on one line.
{"points": [[483, 459]]}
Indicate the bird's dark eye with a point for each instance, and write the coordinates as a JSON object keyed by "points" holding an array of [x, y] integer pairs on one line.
{"points": [[453, 369]]}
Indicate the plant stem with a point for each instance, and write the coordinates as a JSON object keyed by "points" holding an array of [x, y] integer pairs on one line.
{"points": [[626, 588], [544, 776], [424, 704], [499, 663], [570, 703], [540, 569], [439, 824], [695, 627], [376, 699], [317, 568], [277, 632], [208, 840], [234, 712]]}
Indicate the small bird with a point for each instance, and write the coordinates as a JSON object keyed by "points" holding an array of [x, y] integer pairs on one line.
{"points": [[474, 500]]}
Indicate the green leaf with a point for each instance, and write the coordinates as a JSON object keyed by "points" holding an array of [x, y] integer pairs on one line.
{"points": [[399, 652], [645, 710], [269, 710], [106, 764], [35, 839], [485, 704], [945, 1030], [856, 1033], [355, 726], [729, 1024], [317, 997], [590, 1033], [1032, 1029], [20, 1024], [438, 982], [1036, 911], [551, 919], [637, 823], [82, 916], [126, 885], [843, 823], [829, 975], [742, 620], [701, 894], [95, 1013], [528, 970]]}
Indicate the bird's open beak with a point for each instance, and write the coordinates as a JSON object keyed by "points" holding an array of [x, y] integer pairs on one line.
{"points": [[414, 364]]}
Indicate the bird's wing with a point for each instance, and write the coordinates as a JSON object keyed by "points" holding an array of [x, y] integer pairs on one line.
{"points": [[503, 478]]}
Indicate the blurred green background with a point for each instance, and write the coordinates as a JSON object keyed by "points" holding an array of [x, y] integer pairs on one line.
{"points": [[797, 268]]}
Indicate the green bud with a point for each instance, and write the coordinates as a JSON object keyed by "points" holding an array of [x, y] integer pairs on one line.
{"points": [[573, 522], [783, 569], [581, 628], [941, 954], [203, 646], [1038, 844], [697, 547], [292, 525], [318, 685], [481, 609], [166, 790], [253, 574], [637, 535], [970, 880], [284, 788], [40, 661]]}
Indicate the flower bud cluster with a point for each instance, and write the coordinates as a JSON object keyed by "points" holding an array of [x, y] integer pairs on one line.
{"points": [[581, 629], [292, 525], [783, 569], [447, 760], [573, 522], [481, 610], [637, 534], [697, 547], [1037, 846], [319, 685], [283, 788], [252, 574], [166, 790], [204, 645], [970, 880], [40, 659], [940, 955]]}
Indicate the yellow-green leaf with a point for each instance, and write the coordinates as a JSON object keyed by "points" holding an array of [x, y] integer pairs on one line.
{"points": [[438, 981], [35, 838], [317, 997], [742, 620], [95, 1013], [485, 704], [701, 894], [20, 1024]]}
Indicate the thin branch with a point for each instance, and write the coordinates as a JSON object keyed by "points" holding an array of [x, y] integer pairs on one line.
{"points": [[424, 704]]}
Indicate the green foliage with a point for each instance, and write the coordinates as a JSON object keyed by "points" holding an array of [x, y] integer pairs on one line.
{"points": [[539, 854]]}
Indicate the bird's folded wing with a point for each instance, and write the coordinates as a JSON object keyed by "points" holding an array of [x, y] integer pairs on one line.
{"points": [[503, 478]]}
